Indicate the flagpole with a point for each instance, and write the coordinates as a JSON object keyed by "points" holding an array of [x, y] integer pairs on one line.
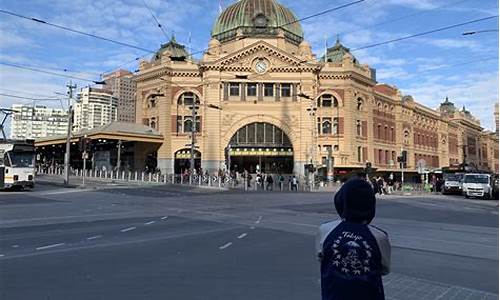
{"points": [[326, 48]]}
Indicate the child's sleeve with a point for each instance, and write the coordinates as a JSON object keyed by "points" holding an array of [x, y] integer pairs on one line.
{"points": [[384, 246], [323, 232]]}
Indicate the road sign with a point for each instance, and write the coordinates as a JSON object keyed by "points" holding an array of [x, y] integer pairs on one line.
{"points": [[421, 165]]}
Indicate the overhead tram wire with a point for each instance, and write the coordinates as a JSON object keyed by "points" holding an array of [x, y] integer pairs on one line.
{"points": [[322, 12], [23, 92], [424, 33], [456, 65], [404, 17], [39, 21], [156, 20], [29, 98], [412, 36], [29, 68]]}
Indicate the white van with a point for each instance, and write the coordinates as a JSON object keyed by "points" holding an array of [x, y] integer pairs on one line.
{"points": [[478, 185]]}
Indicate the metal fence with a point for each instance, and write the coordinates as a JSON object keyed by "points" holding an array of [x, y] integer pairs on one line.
{"points": [[224, 182], [205, 181]]}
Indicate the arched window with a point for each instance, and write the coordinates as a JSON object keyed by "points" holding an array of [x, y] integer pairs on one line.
{"points": [[360, 104], [379, 131], [386, 133], [327, 100], [360, 154], [358, 128], [152, 102], [188, 98]]}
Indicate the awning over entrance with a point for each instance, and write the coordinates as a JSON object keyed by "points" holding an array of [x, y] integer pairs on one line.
{"points": [[127, 146], [131, 132]]}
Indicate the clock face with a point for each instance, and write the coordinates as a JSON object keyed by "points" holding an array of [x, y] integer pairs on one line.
{"points": [[261, 67]]}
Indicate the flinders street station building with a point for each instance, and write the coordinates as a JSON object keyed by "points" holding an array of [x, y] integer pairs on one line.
{"points": [[263, 101]]}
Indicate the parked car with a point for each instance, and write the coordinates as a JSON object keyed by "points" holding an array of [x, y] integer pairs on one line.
{"points": [[478, 185], [452, 184]]}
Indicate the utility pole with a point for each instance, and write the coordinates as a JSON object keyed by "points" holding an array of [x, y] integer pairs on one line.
{"points": [[85, 145], [70, 87], [402, 168], [119, 156], [193, 136]]}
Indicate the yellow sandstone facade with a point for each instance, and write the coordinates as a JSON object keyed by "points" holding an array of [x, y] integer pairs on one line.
{"points": [[267, 103]]}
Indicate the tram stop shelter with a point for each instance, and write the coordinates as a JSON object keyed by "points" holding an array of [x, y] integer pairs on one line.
{"points": [[135, 144]]}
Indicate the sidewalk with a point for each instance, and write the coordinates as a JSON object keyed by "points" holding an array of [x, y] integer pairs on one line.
{"points": [[398, 287]]}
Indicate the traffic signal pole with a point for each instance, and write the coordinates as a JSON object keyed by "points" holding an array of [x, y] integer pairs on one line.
{"points": [[402, 169], [70, 87]]}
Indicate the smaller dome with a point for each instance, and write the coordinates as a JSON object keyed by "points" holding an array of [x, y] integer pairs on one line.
{"points": [[171, 49], [336, 53]]}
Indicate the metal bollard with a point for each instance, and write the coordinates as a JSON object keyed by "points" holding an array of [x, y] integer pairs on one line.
{"points": [[199, 180], [150, 177], [157, 177], [190, 179], [142, 176], [136, 175], [219, 182], [182, 179]]}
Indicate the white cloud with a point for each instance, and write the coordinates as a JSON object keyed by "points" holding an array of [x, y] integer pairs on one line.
{"points": [[477, 91]]}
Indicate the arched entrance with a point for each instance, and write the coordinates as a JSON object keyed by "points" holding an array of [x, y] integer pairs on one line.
{"points": [[183, 160], [260, 147]]}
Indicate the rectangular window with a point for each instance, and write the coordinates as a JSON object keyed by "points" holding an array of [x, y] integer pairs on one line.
{"points": [[269, 90], [252, 90], [234, 89], [326, 126], [286, 90], [188, 124]]}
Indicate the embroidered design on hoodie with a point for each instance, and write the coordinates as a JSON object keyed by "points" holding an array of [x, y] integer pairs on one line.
{"points": [[351, 254]]}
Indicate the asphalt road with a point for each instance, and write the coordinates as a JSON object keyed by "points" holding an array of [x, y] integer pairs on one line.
{"points": [[179, 243]]}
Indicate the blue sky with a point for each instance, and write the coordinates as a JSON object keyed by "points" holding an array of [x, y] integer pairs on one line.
{"points": [[429, 68]]}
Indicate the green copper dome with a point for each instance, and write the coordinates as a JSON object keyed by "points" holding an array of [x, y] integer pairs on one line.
{"points": [[257, 18]]}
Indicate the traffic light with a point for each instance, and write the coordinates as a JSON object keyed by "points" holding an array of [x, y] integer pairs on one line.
{"points": [[84, 144], [404, 155], [368, 169]]}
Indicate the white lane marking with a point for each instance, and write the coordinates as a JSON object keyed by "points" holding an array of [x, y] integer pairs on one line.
{"points": [[242, 235], [225, 246], [49, 246], [258, 221], [149, 223], [94, 237], [253, 227], [164, 218], [128, 229], [15, 246], [1, 255]]}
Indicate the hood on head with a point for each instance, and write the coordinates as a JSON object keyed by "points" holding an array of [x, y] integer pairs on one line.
{"points": [[355, 201]]}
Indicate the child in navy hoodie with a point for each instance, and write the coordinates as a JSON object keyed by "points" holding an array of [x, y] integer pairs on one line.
{"points": [[353, 254]]}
